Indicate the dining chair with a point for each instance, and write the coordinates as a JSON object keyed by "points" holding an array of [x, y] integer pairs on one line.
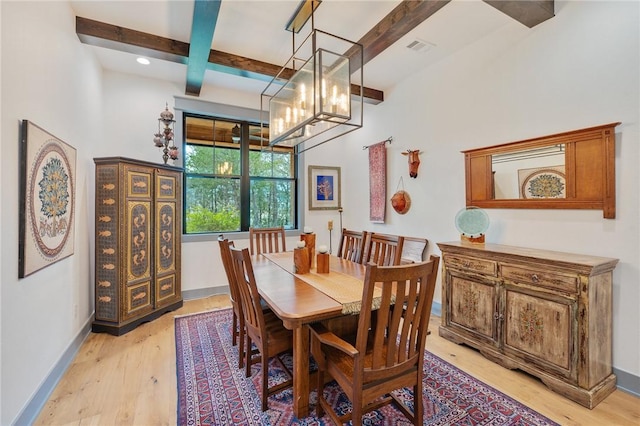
{"points": [[267, 240], [384, 250], [413, 249], [352, 245], [386, 354], [237, 326], [265, 330]]}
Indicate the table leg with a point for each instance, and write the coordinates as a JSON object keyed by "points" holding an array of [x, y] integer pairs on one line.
{"points": [[301, 371]]}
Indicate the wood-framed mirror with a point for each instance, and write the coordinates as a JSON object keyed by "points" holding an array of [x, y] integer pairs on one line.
{"points": [[570, 170]]}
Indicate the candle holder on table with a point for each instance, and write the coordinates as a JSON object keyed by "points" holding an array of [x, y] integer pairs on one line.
{"points": [[309, 239], [322, 260], [301, 261]]}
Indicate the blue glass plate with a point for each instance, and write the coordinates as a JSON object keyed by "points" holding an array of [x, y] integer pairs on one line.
{"points": [[472, 221]]}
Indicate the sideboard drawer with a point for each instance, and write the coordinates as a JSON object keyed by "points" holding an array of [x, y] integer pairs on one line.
{"points": [[553, 281], [482, 266]]}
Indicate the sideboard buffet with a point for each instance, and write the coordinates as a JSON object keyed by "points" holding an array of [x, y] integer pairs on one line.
{"points": [[544, 312], [137, 242]]}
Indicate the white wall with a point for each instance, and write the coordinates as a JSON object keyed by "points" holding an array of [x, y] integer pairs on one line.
{"points": [[48, 77], [577, 70]]}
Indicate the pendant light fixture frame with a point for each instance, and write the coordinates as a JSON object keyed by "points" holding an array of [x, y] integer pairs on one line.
{"points": [[323, 98]]}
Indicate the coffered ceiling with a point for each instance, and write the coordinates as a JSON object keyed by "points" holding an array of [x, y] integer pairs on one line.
{"points": [[240, 44]]}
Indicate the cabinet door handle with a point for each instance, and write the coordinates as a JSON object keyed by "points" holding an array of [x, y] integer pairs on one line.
{"points": [[498, 317], [534, 278]]}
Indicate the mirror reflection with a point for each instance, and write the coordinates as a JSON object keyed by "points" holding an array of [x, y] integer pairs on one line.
{"points": [[535, 173]]}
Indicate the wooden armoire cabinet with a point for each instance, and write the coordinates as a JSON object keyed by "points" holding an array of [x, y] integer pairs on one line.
{"points": [[544, 312], [137, 242]]}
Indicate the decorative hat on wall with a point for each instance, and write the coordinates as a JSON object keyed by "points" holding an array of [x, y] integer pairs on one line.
{"points": [[401, 202]]}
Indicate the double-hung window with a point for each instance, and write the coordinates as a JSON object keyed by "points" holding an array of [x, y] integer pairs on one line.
{"points": [[233, 179]]}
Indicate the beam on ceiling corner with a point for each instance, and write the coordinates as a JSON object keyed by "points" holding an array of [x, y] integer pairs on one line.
{"points": [[205, 17], [529, 13]]}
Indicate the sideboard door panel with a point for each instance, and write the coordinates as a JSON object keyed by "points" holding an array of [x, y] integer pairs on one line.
{"points": [[473, 305], [540, 330]]}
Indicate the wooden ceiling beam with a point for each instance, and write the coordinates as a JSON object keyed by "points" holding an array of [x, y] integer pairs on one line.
{"points": [[205, 17], [529, 13], [109, 36], [402, 19], [123, 39]]}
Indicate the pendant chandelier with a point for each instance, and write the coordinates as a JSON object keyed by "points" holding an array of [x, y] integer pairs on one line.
{"points": [[323, 97]]}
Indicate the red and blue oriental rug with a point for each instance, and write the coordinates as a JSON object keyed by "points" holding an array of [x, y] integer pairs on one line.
{"points": [[213, 391]]}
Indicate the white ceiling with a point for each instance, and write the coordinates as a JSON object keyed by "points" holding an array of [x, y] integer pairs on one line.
{"points": [[255, 29]]}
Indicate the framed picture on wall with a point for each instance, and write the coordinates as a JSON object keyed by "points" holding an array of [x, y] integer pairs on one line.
{"points": [[324, 188], [47, 199]]}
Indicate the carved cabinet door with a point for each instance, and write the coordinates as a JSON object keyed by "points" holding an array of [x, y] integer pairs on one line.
{"points": [[539, 328], [167, 233], [137, 291], [472, 306]]}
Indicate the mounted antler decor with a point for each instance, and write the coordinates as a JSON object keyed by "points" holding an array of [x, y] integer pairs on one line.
{"points": [[414, 161]]}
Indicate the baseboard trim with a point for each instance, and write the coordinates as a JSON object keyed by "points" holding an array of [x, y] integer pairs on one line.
{"points": [[436, 309], [33, 408], [627, 382], [201, 293]]}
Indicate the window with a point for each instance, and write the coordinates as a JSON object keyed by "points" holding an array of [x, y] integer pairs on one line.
{"points": [[233, 179]]}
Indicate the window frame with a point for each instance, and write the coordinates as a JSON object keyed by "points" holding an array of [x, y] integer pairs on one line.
{"points": [[245, 177]]}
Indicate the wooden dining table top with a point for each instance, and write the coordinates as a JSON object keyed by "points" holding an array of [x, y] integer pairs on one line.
{"points": [[292, 297]]}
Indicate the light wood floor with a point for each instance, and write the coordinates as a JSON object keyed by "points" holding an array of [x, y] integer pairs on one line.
{"points": [[131, 380]]}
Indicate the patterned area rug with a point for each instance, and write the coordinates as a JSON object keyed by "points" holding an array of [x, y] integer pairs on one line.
{"points": [[213, 391]]}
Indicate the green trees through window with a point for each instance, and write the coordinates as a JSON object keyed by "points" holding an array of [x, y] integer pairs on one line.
{"points": [[229, 185]]}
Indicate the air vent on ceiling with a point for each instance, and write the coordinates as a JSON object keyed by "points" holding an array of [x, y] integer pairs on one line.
{"points": [[420, 46]]}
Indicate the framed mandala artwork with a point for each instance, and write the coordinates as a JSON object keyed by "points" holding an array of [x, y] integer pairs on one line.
{"points": [[542, 182], [47, 199]]}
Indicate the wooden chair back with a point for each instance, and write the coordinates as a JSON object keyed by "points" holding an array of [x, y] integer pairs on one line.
{"points": [[399, 331], [267, 240], [237, 324], [352, 245], [413, 249], [265, 330], [384, 250], [388, 353], [225, 254], [248, 292]]}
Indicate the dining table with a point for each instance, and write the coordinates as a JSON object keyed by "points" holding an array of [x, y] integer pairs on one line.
{"points": [[301, 299]]}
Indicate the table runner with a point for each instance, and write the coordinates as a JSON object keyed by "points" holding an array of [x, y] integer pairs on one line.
{"points": [[343, 288]]}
